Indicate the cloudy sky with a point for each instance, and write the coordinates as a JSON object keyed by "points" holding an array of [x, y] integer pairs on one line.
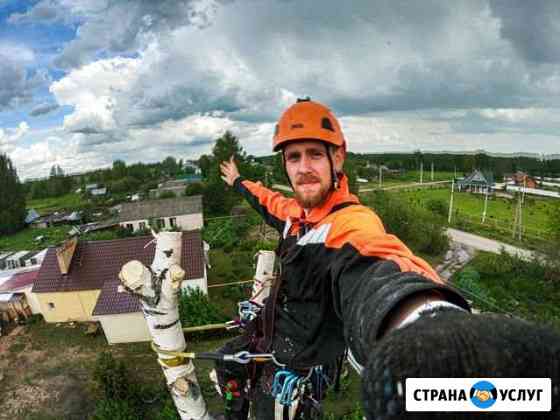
{"points": [[85, 82]]}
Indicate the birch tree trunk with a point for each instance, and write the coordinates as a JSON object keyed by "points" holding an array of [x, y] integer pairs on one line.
{"points": [[158, 288]]}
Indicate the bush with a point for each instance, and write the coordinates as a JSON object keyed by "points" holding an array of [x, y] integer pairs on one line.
{"points": [[112, 377], [167, 194], [110, 409], [195, 309], [418, 228], [438, 207]]}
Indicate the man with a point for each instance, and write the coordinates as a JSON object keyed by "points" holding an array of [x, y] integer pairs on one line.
{"points": [[345, 283]]}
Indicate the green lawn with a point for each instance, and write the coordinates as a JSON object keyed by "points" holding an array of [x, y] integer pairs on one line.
{"points": [[24, 239], [67, 202], [500, 212]]}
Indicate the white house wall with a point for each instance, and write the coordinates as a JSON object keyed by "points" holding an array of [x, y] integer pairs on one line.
{"points": [[185, 222], [124, 328]]}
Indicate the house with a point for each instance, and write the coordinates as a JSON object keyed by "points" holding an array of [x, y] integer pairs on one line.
{"points": [[521, 179], [32, 215], [73, 279], [176, 186], [97, 192], [57, 218], [192, 166], [3, 257], [22, 283], [477, 182], [120, 314], [184, 213], [17, 259]]}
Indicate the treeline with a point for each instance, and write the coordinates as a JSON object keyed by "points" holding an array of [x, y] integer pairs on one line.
{"points": [[461, 163], [119, 178]]}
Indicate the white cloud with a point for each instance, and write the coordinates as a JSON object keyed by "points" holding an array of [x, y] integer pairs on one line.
{"points": [[93, 90]]}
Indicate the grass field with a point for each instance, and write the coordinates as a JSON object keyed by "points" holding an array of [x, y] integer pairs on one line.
{"points": [[24, 239], [48, 205], [500, 212]]}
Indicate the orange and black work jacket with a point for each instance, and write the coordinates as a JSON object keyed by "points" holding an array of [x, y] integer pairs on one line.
{"points": [[340, 276]]}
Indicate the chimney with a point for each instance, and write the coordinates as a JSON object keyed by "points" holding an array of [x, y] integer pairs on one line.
{"points": [[65, 253]]}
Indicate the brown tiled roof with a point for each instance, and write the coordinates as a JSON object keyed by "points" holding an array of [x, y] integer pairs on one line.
{"points": [[168, 207], [96, 265]]}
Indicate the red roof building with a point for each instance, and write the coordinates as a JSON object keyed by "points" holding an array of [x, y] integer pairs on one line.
{"points": [[89, 290]]}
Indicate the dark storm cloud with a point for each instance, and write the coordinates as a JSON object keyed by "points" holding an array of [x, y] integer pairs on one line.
{"points": [[532, 27]]}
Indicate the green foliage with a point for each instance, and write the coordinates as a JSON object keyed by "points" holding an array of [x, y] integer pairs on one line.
{"points": [[110, 409], [351, 171], [167, 194], [225, 233], [113, 377], [418, 228], [554, 222], [506, 283], [195, 309], [168, 412], [438, 207], [196, 188], [12, 198], [127, 184]]}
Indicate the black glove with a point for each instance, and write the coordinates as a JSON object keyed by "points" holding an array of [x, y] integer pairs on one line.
{"points": [[452, 343]]}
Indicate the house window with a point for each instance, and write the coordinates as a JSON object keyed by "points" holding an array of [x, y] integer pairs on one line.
{"points": [[142, 225], [129, 226], [160, 223], [51, 306], [172, 221]]}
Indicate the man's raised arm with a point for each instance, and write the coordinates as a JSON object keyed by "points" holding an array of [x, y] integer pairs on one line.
{"points": [[271, 205]]}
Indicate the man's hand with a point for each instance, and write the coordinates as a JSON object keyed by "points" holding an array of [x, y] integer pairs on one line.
{"points": [[229, 171]]}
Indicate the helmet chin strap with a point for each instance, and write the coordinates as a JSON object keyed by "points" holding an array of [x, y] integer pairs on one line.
{"points": [[330, 153]]}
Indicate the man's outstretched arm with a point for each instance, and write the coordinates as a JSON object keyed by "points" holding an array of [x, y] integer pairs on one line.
{"points": [[394, 341], [272, 206]]}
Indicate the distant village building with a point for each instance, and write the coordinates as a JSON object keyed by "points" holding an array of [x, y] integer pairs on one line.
{"points": [[97, 192], [57, 218], [189, 164], [184, 213], [521, 179], [79, 282], [477, 182], [32, 215], [176, 186]]}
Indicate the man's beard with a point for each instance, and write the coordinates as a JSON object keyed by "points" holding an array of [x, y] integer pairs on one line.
{"points": [[314, 201]]}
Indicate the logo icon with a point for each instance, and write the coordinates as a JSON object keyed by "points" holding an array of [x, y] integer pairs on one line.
{"points": [[483, 394]]}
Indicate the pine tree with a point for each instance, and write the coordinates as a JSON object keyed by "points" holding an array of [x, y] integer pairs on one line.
{"points": [[12, 198]]}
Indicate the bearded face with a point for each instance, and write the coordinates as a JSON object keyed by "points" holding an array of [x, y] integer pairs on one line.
{"points": [[309, 169]]}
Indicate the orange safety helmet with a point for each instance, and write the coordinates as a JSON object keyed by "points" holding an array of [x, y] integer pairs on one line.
{"points": [[310, 120]]}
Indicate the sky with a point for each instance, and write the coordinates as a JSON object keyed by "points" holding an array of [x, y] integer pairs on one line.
{"points": [[86, 82]]}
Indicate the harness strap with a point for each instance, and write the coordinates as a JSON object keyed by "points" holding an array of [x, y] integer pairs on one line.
{"points": [[265, 323]]}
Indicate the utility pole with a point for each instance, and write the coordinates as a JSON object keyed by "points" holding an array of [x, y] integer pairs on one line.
{"points": [[432, 171], [380, 176], [485, 206], [451, 202], [421, 172]]}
